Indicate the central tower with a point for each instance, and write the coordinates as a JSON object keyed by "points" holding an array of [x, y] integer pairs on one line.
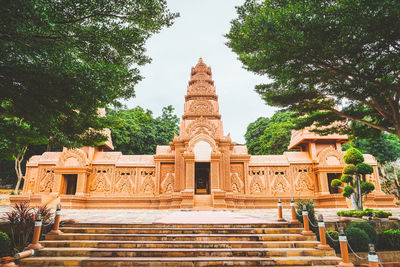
{"points": [[201, 149]]}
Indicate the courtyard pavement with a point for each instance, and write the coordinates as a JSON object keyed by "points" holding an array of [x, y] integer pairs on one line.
{"points": [[182, 216]]}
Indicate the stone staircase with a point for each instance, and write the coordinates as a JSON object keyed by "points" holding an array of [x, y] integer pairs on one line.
{"points": [[94, 244]]}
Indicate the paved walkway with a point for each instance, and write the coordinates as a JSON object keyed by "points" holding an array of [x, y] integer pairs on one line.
{"points": [[181, 216]]}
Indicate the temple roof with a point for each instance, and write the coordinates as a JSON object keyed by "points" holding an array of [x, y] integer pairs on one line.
{"points": [[306, 135]]}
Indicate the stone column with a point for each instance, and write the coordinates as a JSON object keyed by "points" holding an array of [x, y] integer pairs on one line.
{"points": [[323, 181], [188, 193], [214, 171], [81, 183]]}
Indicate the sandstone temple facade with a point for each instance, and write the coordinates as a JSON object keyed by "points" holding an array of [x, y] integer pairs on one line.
{"points": [[201, 167]]}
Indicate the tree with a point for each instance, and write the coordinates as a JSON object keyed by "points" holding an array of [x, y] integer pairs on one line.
{"points": [[14, 146], [269, 135], [391, 178], [354, 175], [329, 60], [62, 60], [137, 132]]}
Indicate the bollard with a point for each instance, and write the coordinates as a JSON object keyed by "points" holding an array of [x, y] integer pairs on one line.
{"points": [[344, 249], [56, 230], [372, 256], [280, 216], [306, 224], [322, 235], [293, 210], [36, 234], [24, 254]]}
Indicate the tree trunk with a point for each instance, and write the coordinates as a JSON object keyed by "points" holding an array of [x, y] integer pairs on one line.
{"points": [[356, 197], [17, 166]]}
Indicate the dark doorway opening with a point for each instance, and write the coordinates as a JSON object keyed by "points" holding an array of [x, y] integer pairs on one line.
{"points": [[202, 178], [69, 187], [331, 177]]}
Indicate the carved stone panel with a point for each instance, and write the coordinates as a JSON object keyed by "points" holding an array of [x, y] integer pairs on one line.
{"points": [[303, 180], [279, 177], [124, 181], [101, 180], [46, 180], [237, 178], [257, 180], [167, 177], [146, 178], [201, 126]]}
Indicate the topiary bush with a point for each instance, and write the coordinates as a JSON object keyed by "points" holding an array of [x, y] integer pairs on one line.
{"points": [[367, 228], [389, 240], [5, 245], [353, 156], [357, 238]]}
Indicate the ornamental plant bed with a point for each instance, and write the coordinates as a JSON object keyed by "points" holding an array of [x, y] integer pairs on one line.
{"points": [[366, 212]]}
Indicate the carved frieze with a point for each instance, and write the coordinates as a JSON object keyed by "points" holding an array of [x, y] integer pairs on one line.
{"points": [[147, 176], [124, 181], [237, 171], [167, 177], [202, 126]]}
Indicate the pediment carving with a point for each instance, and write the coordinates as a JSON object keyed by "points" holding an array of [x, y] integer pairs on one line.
{"points": [[74, 158], [330, 157]]}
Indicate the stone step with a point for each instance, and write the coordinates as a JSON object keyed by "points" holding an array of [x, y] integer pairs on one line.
{"points": [[182, 237], [142, 230], [184, 225], [182, 252], [179, 244], [181, 261]]}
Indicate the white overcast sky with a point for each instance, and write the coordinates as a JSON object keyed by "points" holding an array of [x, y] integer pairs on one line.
{"points": [[199, 32]]}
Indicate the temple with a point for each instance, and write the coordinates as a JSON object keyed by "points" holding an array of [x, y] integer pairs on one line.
{"points": [[200, 168]]}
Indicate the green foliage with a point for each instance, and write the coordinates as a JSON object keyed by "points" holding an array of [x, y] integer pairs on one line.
{"points": [[22, 221], [311, 213], [389, 240], [366, 212], [364, 168], [384, 147], [353, 156], [269, 135], [137, 132], [62, 60], [347, 191], [321, 55], [346, 178], [350, 169], [357, 238], [367, 228], [336, 183], [333, 244], [5, 245], [367, 187]]}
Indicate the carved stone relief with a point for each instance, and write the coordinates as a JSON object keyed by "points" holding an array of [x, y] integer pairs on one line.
{"points": [[147, 177], [101, 181], [124, 181], [46, 180], [237, 178], [200, 107], [257, 176], [330, 156], [167, 175], [303, 178], [201, 126], [279, 180]]}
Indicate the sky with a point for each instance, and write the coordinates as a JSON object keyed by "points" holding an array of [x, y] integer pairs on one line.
{"points": [[199, 32]]}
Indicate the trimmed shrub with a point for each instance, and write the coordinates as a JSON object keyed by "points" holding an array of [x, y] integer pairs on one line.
{"points": [[5, 245], [366, 212], [353, 156], [367, 187], [389, 240], [334, 244], [357, 238], [350, 169], [336, 183], [364, 168], [347, 191], [372, 234], [346, 178]]}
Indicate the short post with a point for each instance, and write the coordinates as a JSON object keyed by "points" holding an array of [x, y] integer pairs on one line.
{"points": [[293, 211], [306, 224], [344, 251], [36, 234], [56, 227], [280, 216], [322, 236], [372, 256]]}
